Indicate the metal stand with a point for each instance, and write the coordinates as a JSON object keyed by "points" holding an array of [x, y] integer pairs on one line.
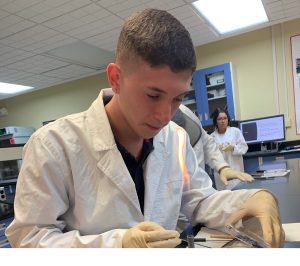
{"points": [[190, 240]]}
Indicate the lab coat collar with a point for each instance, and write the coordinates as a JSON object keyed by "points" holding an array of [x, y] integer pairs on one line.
{"points": [[109, 156], [99, 125]]}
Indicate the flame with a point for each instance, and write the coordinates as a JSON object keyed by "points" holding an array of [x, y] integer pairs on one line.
{"points": [[185, 175]]}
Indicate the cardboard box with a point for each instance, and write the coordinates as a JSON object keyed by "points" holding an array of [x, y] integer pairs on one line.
{"points": [[216, 78]]}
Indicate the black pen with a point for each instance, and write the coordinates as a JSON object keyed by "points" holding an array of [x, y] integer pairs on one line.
{"points": [[184, 240], [264, 178], [202, 239]]}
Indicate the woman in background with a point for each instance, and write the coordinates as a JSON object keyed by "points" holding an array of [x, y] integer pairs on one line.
{"points": [[231, 143]]}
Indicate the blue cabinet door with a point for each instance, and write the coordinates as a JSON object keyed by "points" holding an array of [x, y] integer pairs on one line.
{"points": [[213, 88]]}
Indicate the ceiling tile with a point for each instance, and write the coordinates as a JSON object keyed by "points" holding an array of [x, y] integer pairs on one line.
{"points": [[29, 29], [18, 5]]}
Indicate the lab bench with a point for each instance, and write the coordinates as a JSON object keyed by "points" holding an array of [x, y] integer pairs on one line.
{"points": [[285, 188], [252, 159]]}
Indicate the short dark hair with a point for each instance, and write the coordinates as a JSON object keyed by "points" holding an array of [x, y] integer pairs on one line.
{"points": [[216, 113], [158, 38]]}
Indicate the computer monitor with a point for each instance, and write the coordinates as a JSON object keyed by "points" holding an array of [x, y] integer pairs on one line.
{"points": [[264, 129]]}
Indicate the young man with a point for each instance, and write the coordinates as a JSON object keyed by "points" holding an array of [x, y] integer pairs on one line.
{"points": [[96, 178]]}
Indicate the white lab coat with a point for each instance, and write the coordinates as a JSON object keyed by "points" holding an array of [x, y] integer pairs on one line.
{"points": [[207, 152], [74, 189], [235, 137]]}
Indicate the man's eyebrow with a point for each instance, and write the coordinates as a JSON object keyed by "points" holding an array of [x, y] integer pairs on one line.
{"points": [[157, 90], [163, 92], [183, 94]]}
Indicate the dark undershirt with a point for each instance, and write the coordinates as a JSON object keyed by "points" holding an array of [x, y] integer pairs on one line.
{"points": [[135, 167]]}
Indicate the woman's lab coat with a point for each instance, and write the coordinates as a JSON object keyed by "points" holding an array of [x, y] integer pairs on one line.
{"points": [[74, 189], [207, 152], [235, 158]]}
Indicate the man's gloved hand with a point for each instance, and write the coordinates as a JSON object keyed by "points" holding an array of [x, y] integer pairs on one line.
{"points": [[262, 205], [228, 173], [227, 147], [150, 235]]}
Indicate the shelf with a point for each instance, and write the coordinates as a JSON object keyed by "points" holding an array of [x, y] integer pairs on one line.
{"points": [[9, 202], [192, 101], [12, 153], [6, 136], [217, 98], [9, 181], [190, 94], [216, 89], [9, 177], [215, 85]]}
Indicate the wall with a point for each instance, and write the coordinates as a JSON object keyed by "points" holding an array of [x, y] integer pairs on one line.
{"points": [[264, 82], [33, 108], [251, 56], [253, 60]]}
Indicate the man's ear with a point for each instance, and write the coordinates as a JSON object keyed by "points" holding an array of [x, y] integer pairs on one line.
{"points": [[113, 76]]}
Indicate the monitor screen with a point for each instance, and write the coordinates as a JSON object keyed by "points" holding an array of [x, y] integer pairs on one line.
{"points": [[264, 129]]}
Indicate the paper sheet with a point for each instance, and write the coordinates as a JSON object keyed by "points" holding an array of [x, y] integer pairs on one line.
{"points": [[212, 242], [271, 174], [275, 173], [292, 232]]}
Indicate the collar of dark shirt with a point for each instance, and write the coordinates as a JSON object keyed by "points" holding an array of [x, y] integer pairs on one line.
{"points": [[146, 150]]}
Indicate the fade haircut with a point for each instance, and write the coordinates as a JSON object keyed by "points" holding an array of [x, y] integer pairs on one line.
{"points": [[158, 38]]}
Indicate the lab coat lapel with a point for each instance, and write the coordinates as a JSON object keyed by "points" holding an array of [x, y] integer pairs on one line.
{"points": [[153, 171], [110, 161], [112, 165]]}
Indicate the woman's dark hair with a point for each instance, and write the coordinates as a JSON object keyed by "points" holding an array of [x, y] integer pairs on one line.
{"points": [[216, 113]]}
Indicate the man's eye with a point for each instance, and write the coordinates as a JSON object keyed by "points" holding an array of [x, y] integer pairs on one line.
{"points": [[178, 100], [153, 96]]}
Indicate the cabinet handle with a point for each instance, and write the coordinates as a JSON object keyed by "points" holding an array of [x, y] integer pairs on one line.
{"points": [[206, 116], [200, 117]]}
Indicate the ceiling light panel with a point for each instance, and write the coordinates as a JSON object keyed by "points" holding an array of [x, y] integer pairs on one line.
{"points": [[8, 88], [232, 15]]}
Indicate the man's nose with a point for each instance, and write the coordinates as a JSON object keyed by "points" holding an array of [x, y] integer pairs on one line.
{"points": [[164, 113]]}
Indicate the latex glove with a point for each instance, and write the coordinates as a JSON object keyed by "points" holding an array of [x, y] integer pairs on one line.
{"points": [[220, 146], [262, 205], [229, 173], [228, 147], [150, 235]]}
